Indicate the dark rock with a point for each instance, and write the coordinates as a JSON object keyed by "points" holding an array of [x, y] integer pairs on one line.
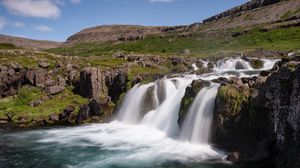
{"points": [[264, 125], [67, 111], [117, 85], [92, 83], [233, 157], [149, 101], [84, 113], [54, 90], [95, 107], [264, 73], [54, 117], [239, 65]]}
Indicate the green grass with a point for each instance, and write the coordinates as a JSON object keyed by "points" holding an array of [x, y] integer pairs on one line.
{"points": [[7, 46], [18, 105], [279, 39]]}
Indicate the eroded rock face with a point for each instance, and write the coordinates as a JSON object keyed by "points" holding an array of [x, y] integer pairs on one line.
{"points": [[92, 83], [261, 123], [11, 80], [190, 94]]}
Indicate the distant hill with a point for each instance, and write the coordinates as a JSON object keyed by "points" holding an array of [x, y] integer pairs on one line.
{"points": [[28, 43], [268, 14]]}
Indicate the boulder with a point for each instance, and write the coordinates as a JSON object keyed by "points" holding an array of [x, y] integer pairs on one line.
{"points": [[84, 113], [54, 117], [52, 90], [44, 64], [92, 83], [95, 107], [235, 80]]}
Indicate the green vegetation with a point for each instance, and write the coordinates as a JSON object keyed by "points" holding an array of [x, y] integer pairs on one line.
{"points": [[7, 46], [279, 39], [18, 105], [256, 63], [233, 99], [289, 14]]}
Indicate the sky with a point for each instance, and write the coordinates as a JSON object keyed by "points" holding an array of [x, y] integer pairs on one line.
{"points": [[56, 20]]}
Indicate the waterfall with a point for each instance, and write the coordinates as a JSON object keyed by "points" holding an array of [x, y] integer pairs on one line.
{"points": [[233, 64], [197, 124], [166, 115], [130, 110]]}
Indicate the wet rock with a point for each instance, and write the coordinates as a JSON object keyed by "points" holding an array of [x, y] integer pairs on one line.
{"points": [[233, 157], [239, 65], [149, 101]]}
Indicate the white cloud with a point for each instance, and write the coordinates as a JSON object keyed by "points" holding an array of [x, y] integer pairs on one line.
{"points": [[2, 22], [43, 28], [33, 8], [161, 0], [75, 1], [18, 24]]}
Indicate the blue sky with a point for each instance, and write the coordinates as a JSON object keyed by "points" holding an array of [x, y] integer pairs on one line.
{"points": [[56, 20]]}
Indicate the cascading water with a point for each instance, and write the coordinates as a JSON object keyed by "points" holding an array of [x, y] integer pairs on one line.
{"points": [[130, 110], [232, 64], [197, 125], [165, 116], [144, 134]]}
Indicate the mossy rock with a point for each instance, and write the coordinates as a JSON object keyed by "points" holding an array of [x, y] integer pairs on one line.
{"points": [[230, 100], [190, 94], [180, 68], [256, 63]]}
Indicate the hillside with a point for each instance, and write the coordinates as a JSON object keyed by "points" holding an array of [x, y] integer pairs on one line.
{"points": [[28, 43], [274, 13], [256, 25]]}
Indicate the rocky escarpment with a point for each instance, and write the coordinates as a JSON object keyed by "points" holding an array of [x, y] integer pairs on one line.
{"points": [[261, 122], [243, 8], [118, 33]]}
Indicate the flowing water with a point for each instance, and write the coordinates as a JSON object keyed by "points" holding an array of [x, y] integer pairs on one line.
{"points": [[144, 133]]}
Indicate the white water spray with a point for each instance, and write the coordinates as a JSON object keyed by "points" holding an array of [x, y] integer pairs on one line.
{"points": [[197, 125]]}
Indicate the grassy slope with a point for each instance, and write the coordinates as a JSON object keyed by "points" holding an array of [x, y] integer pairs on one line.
{"points": [[279, 39], [18, 105]]}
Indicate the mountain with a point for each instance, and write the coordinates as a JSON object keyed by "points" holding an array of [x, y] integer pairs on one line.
{"points": [[28, 43], [269, 14]]}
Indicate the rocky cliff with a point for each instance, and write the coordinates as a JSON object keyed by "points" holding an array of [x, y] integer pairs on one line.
{"points": [[254, 4], [261, 122], [117, 33]]}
